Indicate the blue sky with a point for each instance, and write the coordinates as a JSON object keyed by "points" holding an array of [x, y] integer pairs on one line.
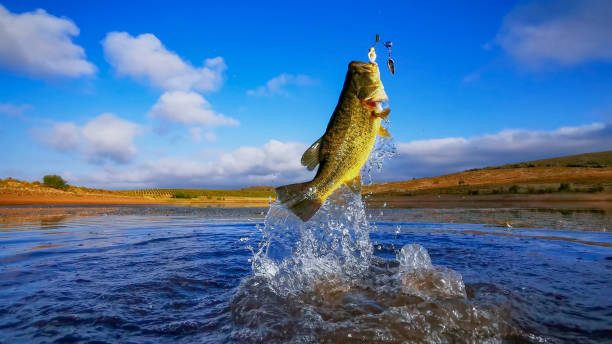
{"points": [[166, 94]]}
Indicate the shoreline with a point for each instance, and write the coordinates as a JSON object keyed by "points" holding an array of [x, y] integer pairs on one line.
{"points": [[557, 200], [77, 200], [603, 199]]}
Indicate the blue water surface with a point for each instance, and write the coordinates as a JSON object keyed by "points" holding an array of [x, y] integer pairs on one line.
{"points": [[167, 276]]}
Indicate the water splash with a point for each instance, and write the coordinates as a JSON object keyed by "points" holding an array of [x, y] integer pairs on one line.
{"points": [[384, 149], [419, 276], [319, 281], [335, 242]]}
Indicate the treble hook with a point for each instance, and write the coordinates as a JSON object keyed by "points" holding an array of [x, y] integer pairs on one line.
{"points": [[390, 62]]}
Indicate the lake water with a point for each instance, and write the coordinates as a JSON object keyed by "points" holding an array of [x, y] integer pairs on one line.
{"points": [[155, 274]]}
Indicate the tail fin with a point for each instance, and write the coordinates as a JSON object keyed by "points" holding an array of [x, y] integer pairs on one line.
{"points": [[295, 197]]}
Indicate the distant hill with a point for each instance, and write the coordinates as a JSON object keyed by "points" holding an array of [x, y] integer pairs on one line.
{"points": [[13, 191], [259, 188], [257, 191], [597, 160], [589, 173]]}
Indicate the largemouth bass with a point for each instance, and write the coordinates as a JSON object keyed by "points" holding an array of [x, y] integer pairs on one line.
{"points": [[344, 148]]}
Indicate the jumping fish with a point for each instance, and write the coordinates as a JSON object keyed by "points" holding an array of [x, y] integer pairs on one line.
{"points": [[348, 140]]}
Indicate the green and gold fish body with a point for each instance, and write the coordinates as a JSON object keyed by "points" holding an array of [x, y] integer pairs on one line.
{"points": [[346, 144]]}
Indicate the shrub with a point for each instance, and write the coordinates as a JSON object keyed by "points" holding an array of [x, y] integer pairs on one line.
{"points": [[596, 188], [513, 189], [564, 187], [183, 195], [55, 181], [473, 192]]}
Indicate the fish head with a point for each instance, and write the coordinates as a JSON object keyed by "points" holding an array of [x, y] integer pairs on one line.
{"points": [[365, 82]]}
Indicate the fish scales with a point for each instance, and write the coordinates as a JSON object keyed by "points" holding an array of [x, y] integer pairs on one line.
{"points": [[346, 143]]}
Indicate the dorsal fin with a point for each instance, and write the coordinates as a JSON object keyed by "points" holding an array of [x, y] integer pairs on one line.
{"points": [[310, 159]]}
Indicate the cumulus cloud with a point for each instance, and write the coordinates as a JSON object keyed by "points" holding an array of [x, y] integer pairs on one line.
{"points": [[426, 158], [39, 44], [188, 108], [14, 110], [145, 57], [279, 84], [106, 137], [561, 32], [64, 136], [273, 163]]}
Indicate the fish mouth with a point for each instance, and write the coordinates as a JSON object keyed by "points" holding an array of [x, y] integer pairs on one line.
{"points": [[375, 104], [377, 95]]}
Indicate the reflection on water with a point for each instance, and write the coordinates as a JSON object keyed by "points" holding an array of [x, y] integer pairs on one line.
{"points": [[567, 216], [157, 274], [590, 219]]}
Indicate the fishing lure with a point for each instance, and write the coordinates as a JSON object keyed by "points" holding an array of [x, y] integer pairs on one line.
{"points": [[390, 62], [372, 54]]}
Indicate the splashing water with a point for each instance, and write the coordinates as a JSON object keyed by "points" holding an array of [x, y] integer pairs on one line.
{"points": [[319, 281], [335, 242], [384, 149]]}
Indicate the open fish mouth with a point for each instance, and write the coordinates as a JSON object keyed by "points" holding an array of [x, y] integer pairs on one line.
{"points": [[378, 104], [382, 104]]}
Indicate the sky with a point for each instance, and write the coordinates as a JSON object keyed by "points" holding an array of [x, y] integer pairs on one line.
{"points": [[136, 94]]}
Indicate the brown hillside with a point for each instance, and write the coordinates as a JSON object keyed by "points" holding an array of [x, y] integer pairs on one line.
{"points": [[535, 177]]}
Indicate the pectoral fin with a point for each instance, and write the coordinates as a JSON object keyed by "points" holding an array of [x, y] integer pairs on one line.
{"points": [[382, 131], [310, 159], [354, 184]]}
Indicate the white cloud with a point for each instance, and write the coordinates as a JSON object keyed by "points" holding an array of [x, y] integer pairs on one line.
{"points": [[278, 84], [64, 136], [188, 108], [106, 137], [562, 32], [111, 137], [39, 44], [434, 157], [273, 163], [145, 57], [14, 110]]}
